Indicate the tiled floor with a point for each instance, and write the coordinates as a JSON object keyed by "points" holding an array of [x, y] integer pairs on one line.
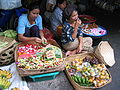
{"points": [[112, 23]]}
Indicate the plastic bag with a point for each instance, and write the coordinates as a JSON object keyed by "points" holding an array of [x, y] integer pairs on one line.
{"points": [[10, 4]]}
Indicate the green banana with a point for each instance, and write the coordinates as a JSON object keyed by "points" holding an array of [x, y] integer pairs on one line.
{"points": [[79, 79]]}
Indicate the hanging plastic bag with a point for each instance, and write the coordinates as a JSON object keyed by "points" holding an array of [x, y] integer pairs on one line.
{"points": [[10, 4]]}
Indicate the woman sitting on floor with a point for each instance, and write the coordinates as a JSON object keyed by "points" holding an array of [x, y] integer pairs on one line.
{"points": [[72, 36]]}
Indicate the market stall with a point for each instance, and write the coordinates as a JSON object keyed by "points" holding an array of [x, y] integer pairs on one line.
{"points": [[40, 61], [44, 61]]}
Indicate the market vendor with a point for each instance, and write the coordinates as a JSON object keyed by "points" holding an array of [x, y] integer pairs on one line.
{"points": [[30, 25], [56, 18], [72, 37]]}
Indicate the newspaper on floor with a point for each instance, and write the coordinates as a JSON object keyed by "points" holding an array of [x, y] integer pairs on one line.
{"points": [[16, 80]]}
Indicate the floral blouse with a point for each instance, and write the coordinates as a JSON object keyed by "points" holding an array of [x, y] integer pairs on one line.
{"points": [[67, 32]]}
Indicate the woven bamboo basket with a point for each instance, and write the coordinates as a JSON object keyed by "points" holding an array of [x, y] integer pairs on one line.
{"points": [[27, 72], [75, 85], [106, 53], [7, 52]]}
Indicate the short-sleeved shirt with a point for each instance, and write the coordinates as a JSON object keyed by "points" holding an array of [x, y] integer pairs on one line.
{"points": [[56, 18], [24, 23], [67, 32]]}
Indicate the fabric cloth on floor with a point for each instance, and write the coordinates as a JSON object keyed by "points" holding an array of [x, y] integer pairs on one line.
{"points": [[87, 44], [16, 80]]}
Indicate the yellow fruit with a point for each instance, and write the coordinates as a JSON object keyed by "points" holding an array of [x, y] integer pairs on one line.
{"points": [[102, 77], [4, 83], [15, 88], [76, 59], [92, 79], [5, 74], [79, 69]]}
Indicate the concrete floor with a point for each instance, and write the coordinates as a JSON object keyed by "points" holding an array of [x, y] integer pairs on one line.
{"points": [[111, 23]]}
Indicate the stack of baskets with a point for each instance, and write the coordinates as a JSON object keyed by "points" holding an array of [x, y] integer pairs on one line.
{"points": [[7, 52]]}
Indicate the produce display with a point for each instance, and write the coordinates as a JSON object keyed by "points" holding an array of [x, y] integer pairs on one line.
{"points": [[93, 30], [4, 76], [31, 56], [88, 72]]}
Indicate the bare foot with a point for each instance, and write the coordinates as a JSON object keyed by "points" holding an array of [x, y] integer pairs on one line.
{"points": [[73, 52], [67, 53]]}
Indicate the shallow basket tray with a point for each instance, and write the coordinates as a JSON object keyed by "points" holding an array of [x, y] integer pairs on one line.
{"points": [[75, 85], [91, 19], [27, 72]]}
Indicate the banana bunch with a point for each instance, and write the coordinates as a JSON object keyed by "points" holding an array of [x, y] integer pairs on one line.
{"points": [[5, 74], [4, 84], [15, 88]]}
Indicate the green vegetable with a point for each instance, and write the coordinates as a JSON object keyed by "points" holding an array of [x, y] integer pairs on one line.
{"points": [[83, 80], [10, 33], [49, 48], [3, 44], [86, 80], [72, 77], [76, 80], [58, 56], [79, 79]]}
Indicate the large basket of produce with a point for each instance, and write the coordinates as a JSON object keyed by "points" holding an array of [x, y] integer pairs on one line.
{"points": [[86, 72], [7, 46], [33, 58], [87, 18]]}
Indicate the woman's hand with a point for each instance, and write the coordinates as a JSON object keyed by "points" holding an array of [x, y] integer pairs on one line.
{"points": [[78, 23], [38, 40], [44, 41]]}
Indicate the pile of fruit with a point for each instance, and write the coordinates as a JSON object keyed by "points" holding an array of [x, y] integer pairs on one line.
{"points": [[31, 56], [88, 72], [4, 79]]}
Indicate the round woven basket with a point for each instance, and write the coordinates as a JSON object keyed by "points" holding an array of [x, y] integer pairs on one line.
{"points": [[76, 85], [27, 72], [87, 18], [7, 52]]}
